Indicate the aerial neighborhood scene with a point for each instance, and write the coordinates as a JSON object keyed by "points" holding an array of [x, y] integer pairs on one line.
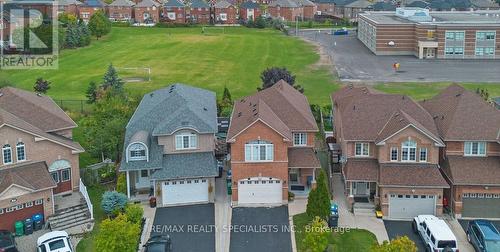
{"points": [[250, 125]]}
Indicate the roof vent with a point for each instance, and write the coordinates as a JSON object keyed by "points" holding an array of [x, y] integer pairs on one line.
{"points": [[435, 117], [151, 95], [239, 114], [205, 109], [184, 123], [442, 117], [403, 97], [250, 104], [255, 105], [242, 100], [457, 95], [397, 114], [354, 107], [255, 114], [254, 110]]}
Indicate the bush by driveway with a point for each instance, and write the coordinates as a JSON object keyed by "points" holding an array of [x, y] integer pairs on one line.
{"points": [[403, 228]]}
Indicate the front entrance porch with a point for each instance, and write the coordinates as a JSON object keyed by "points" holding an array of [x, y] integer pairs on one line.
{"points": [[301, 181], [427, 49], [139, 185]]}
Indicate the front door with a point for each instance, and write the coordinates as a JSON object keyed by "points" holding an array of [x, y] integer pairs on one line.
{"points": [[360, 188], [430, 53]]}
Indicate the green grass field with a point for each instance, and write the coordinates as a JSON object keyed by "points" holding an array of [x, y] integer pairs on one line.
{"points": [[234, 59]]}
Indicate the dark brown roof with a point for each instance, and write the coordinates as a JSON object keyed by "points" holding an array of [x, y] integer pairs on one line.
{"points": [[472, 170], [409, 175], [361, 169], [370, 116], [463, 115], [38, 110], [33, 176], [281, 106], [302, 157]]}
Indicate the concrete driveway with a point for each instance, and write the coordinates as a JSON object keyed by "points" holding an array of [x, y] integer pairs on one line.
{"points": [[191, 228], [258, 229], [403, 228], [355, 62]]}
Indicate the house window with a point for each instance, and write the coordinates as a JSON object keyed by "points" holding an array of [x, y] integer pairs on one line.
{"points": [[29, 204], [299, 139], [423, 154], [259, 151], [7, 154], [65, 175], [394, 154], [409, 151], [223, 16], [362, 149], [186, 141], [144, 173], [55, 176], [20, 150], [171, 15], [485, 35], [475, 149], [38, 202], [137, 151]]}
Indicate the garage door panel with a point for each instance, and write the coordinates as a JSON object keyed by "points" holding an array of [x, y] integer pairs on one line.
{"points": [[185, 191], [408, 207], [481, 207], [259, 191]]}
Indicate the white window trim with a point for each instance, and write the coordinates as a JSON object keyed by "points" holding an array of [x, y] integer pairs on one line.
{"points": [[478, 154], [420, 154], [265, 145], [181, 136], [397, 154], [302, 136], [362, 149], [409, 148], [58, 178], [20, 145], [3, 154], [129, 158], [69, 175]]}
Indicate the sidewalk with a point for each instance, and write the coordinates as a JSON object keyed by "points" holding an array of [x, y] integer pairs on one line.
{"points": [[456, 228], [223, 215], [348, 219], [149, 215]]}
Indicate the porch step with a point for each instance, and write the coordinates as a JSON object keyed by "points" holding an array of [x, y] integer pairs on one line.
{"points": [[70, 217], [364, 212], [361, 205]]}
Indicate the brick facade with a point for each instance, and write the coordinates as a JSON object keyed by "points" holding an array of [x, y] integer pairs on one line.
{"points": [[286, 13], [7, 219], [120, 13], [230, 14], [143, 13], [199, 15], [174, 15], [247, 14]]}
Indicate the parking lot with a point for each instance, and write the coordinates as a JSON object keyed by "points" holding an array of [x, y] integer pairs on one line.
{"points": [[354, 62]]}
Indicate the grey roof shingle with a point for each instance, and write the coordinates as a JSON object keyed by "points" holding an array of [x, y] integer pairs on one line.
{"points": [[147, 3], [250, 5], [284, 3], [188, 165], [174, 3], [122, 3], [223, 4], [199, 4]]}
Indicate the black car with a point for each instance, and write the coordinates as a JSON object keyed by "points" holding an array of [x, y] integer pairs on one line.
{"points": [[7, 242], [158, 243]]}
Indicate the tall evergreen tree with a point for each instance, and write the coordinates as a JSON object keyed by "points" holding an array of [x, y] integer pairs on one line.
{"points": [[112, 80], [84, 34], [91, 93], [318, 203]]}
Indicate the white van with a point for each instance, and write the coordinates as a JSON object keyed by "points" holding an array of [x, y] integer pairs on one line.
{"points": [[435, 233]]}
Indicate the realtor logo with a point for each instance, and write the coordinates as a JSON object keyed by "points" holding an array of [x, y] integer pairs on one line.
{"points": [[29, 35]]}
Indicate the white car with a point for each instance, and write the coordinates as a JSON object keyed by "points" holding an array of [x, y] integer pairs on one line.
{"points": [[435, 233], [55, 241]]}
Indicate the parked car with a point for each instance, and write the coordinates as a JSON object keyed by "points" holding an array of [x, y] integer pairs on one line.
{"points": [[57, 241], [483, 236], [158, 243], [435, 233], [7, 242]]}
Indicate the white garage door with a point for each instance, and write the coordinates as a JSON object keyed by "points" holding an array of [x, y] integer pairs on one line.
{"points": [[260, 191], [408, 206], [185, 191]]}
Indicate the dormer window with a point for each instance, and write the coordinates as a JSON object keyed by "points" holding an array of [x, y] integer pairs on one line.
{"points": [[475, 149], [21, 152], [7, 154], [137, 151], [362, 149], [409, 151], [186, 141], [299, 139]]}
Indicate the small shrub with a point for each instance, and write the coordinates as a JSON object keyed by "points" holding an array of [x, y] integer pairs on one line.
{"points": [[118, 235], [134, 213], [121, 184], [113, 202]]}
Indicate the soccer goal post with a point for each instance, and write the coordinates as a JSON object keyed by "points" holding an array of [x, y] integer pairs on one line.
{"points": [[213, 30], [134, 74]]}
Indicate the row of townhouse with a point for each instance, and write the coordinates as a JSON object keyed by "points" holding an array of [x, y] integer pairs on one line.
{"points": [[414, 158], [170, 144], [39, 159]]}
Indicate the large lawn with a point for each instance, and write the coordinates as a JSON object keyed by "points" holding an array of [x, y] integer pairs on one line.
{"points": [[234, 59]]}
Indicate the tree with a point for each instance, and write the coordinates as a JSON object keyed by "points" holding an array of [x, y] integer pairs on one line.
{"points": [[112, 80], [41, 86], [134, 213], [318, 203], [400, 244], [67, 19], [225, 105], [483, 93], [91, 93], [260, 22], [118, 235], [272, 75], [316, 238], [121, 183], [84, 34], [99, 24], [113, 201], [72, 39]]}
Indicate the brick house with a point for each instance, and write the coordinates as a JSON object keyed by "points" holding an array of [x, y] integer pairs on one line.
{"points": [[89, 7], [120, 10], [249, 11], [147, 12], [174, 11], [199, 12], [287, 10], [271, 135], [325, 6], [390, 151], [169, 148], [225, 13], [68, 6], [308, 9], [38, 159], [470, 162]]}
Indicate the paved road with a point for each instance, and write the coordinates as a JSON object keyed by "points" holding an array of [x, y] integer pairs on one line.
{"points": [[402, 228], [354, 62], [259, 229], [192, 228]]}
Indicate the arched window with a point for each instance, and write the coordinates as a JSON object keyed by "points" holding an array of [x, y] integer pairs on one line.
{"points": [[20, 151], [137, 151], [259, 150], [7, 154], [409, 151]]}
